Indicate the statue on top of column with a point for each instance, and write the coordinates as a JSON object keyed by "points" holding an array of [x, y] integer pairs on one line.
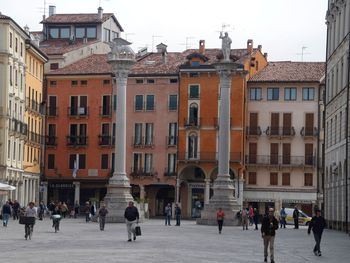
{"points": [[226, 46]]}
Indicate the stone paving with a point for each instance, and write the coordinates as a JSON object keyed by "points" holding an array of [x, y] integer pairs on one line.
{"points": [[78, 241]]}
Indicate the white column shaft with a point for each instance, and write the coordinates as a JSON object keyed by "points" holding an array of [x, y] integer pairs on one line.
{"points": [[207, 191]]}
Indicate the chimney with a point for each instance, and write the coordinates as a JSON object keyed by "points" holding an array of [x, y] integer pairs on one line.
{"points": [[250, 46], [161, 48], [201, 46], [265, 55], [52, 10], [100, 13], [260, 47]]}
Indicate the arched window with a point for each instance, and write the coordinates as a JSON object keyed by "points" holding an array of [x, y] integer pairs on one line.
{"points": [[192, 146]]}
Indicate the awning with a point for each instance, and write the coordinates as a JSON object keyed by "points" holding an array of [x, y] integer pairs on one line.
{"points": [[7, 187]]}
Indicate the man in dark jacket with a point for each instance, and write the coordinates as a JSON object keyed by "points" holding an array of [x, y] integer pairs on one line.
{"points": [[131, 215], [317, 225], [268, 231], [6, 213], [296, 218]]}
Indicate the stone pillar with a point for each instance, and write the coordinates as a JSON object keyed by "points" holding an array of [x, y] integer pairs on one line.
{"points": [[177, 190], [207, 191], [45, 192], [118, 194], [142, 193], [76, 192]]}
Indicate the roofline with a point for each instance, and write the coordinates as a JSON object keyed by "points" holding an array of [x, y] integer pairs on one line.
{"points": [[284, 81], [39, 52], [78, 74], [13, 21]]}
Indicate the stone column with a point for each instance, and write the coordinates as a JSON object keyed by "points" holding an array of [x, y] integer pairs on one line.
{"points": [[207, 191], [142, 193], [45, 192], [122, 58], [177, 190], [76, 192]]}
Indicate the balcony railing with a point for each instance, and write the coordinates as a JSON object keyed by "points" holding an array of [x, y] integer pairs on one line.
{"points": [[171, 140], [52, 111], [106, 140], [35, 138], [278, 160], [309, 132], [18, 127], [192, 122], [206, 156], [33, 105], [77, 140], [280, 131], [141, 172], [143, 142], [105, 111], [254, 131], [51, 140], [78, 111]]}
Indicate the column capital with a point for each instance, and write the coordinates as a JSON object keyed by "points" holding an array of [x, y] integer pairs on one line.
{"points": [[76, 183]]}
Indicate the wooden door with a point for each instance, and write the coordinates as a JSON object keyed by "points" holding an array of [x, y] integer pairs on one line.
{"points": [[253, 123], [253, 147], [309, 152], [275, 122], [309, 124], [274, 153], [286, 153]]}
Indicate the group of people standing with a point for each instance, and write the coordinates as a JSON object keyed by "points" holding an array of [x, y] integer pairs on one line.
{"points": [[168, 214]]}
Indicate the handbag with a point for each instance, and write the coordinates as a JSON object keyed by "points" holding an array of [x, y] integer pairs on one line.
{"points": [[138, 230]]}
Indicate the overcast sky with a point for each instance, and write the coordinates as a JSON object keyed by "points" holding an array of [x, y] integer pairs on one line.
{"points": [[282, 27]]}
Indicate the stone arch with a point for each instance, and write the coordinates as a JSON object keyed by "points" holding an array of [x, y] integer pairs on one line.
{"points": [[192, 173], [214, 172]]}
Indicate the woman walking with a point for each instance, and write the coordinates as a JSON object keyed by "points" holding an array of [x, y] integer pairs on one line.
{"points": [[220, 215]]}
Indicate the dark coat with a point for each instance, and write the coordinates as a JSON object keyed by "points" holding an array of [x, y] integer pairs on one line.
{"points": [[317, 225], [296, 213], [6, 209], [131, 213], [269, 226]]}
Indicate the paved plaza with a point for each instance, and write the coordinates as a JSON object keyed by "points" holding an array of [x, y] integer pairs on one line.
{"points": [[78, 241]]}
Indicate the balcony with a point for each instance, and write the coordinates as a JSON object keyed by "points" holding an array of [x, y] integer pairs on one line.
{"points": [[192, 123], [33, 106], [206, 157], [142, 172], [78, 112], [35, 138], [52, 111], [309, 132], [143, 142], [280, 161], [105, 112], [253, 131], [77, 141], [171, 141], [51, 140], [280, 132], [106, 140], [217, 122]]}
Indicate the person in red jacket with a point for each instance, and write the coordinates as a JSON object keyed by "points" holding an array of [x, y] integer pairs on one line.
{"points": [[220, 215]]}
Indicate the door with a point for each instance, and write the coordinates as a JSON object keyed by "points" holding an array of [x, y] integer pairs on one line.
{"points": [[83, 105], [73, 105], [253, 123], [275, 122], [309, 149], [82, 134], [52, 106], [252, 152], [52, 134], [287, 124], [105, 139], [286, 153], [274, 153], [309, 124], [106, 107]]}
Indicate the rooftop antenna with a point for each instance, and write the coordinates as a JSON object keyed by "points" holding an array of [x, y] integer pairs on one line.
{"points": [[303, 53], [187, 44], [43, 9], [153, 37]]}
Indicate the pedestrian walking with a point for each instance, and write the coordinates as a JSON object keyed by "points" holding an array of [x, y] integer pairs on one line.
{"points": [[283, 216], [131, 216], [220, 216], [268, 232], [76, 209], [317, 225], [245, 215], [87, 212], [296, 218], [30, 211], [15, 209], [167, 213], [64, 209], [256, 218], [102, 212], [6, 213], [41, 209], [177, 214], [251, 215]]}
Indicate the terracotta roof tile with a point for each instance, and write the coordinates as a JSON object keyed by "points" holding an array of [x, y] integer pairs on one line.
{"points": [[287, 71], [61, 46], [76, 18]]}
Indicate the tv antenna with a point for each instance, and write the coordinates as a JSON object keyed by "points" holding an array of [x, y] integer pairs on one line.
{"points": [[153, 37], [187, 44], [303, 53]]}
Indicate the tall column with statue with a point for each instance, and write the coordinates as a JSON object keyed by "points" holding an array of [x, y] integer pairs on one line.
{"points": [[223, 186]]}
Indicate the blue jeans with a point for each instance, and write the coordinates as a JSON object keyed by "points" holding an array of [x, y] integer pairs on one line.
{"points": [[5, 219], [178, 218], [167, 220]]}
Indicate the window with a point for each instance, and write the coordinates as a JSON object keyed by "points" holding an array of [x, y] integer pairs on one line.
{"points": [[139, 81], [106, 82], [21, 50], [64, 32], [14, 151], [273, 94], [16, 44], [82, 161], [11, 75], [83, 82], [194, 74], [308, 179], [148, 163], [255, 94], [10, 40], [8, 149], [106, 105], [115, 35], [286, 179], [290, 94], [150, 81], [252, 178], [53, 66], [192, 146], [195, 63], [104, 161], [172, 140], [107, 34], [50, 161], [114, 102], [80, 32], [138, 134], [91, 32], [172, 102], [171, 163], [194, 91], [137, 162], [173, 80], [308, 94], [273, 178], [149, 134], [150, 102], [138, 102], [53, 32], [74, 83]]}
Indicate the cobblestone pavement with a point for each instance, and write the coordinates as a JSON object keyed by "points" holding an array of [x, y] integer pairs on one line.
{"points": [[78, 241]]}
